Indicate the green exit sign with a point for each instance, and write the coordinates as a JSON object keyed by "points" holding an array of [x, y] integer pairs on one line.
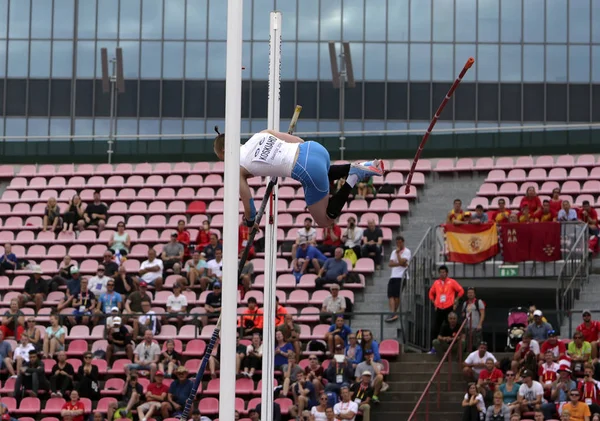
{"points": [[507, 271]]}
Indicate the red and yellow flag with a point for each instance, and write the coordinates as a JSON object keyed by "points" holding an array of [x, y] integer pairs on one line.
{"points": [[471, 243]]}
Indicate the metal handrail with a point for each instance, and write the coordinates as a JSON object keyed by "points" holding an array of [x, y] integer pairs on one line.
{"points": [[437, 371]]}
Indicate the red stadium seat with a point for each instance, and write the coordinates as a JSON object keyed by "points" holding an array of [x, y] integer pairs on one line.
{"points": [[389, 348], [195, 348], [28, 406], [113, 387], [53, 406]]}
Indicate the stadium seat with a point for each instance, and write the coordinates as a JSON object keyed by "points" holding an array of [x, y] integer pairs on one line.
{"points": [[244, 386], [77, 347], [566, 161], [487, 189], [53, 406], [212, 388], [118, 367], [113, 387], [103, 403], [587, 160], [504, 163], [464, 164], [484, 164], [8, 388], [517, 175], [496, 176], [28, 406], [285, 405], [101, 364], [524, 162], [194, 348], [389, 348]]}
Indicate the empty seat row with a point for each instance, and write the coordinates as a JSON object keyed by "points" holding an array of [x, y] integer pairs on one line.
{"points": [[509, 163], [540, 174], [567, 187]]}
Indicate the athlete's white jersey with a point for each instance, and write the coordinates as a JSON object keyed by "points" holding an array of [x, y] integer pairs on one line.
{"points": [[266, 155]]}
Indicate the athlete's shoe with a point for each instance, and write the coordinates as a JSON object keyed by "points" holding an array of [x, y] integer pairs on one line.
{"points": [[366, 170]]}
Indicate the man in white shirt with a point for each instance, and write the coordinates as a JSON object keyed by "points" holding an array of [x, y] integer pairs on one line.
{"points": [[21, 353], [307, 233], [398, 263], [334, 304], [475, 362], [147, 321], [530, 393], [151, 270], [176, 305], [146, 356], [215, 268], [97, 284], [347, 408]]}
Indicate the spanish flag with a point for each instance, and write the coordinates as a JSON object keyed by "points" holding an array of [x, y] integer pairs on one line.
{"points": [[471, 243]]}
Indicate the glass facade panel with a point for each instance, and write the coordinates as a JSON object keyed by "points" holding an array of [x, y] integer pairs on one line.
{"points": [[353, 20], [131, 58], [171, 126], [443, 20], [510, 63], [289, 16], [216, 64], [2, 60], [15, 126], [358, 54], [260, 61], [62, 59], [374, 61], [556, 63], [127, 126], [465, 18], [595, 21], [556, 21], [308, 15], [487, 63], [18, 58], [288, 60], [60, 127], [18, 20], [261, 19], [152, 22], [308, 60], [38, 127], [420, 62], [86, 58], [194, 126], [420, 20], [397, 62], [510, 20], [150, 127], [151, 59], [579, 63], [173, 60], [39, 66], [129, 22], [375, 20], [64, 11], [533, 23], [196, 15], [533, 65], [579, 21], [330, 20], [108, 19], [443, 62], [462, 52], [3, 17], [174, 19], [397, 20], [217, 14], [488, 25], [86, 19], [596, 64], [84, 127], [195, 60], [41, 15]]}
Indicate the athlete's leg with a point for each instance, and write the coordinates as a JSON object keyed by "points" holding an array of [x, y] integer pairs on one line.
{"points": [[338, 171]]}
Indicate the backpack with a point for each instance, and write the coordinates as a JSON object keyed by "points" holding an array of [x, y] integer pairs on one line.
{"points": [[332, 399], [349, 308]]}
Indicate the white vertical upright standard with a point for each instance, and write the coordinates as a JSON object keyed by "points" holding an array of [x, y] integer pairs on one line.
{"points": [[268, 363], [233, 115]]}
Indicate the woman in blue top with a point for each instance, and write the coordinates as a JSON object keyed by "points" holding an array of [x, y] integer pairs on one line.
{"points": [[282, 351], [510, 389]]}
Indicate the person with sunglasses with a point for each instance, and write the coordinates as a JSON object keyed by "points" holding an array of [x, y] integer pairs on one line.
{"points": [[97, 284], [559, 391], [580, 352], [88, 378], [578, 411], [510, 391], [34, 334]]}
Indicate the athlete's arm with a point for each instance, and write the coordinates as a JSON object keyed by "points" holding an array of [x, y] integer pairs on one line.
{"points": [[246, 196], [286, 137]]}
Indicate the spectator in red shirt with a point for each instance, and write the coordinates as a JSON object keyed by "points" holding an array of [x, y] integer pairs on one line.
{"points": [[155, 396], [545, 213], [243, 237], [74, 408], [556, 201], [527, 346], [548, 372], [456, 215], [203, 237], [532, 200], [555, 346], [489, 378], [525, 214], [591, 332], [183, 237], [332, 239], [588, 215]]}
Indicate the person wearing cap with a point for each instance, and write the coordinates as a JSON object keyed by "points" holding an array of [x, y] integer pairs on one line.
{"points": [[151, 270], [178, 393], [177, 305], [196, 269], [36, 290], [591, 332], [475, 362], [62, 376], [332, 305], [307, 234], [146, 355], [539, 329], [73, 282], [443, 294], [119, 340], [84, 304], [307, 257], [334, 271], [368, 365], [172, 255], [580, 352], [73, 408], [114, 312], [156, 394], [578, 410], [346, 408], [214, 302], [527, 346], [337, 333], [131, 394], [361, 392], [530, 393], [555, 346]]}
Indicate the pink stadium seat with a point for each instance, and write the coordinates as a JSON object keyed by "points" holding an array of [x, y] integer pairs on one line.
{"points": [[102, 365], [309, 314], [184, 193], [164, 168], [195, 348], [464, 164], [67, 170], [284, 281], [544, 161], [377, 205], [591, 186], [285, 404], [583, 197], [128, 195], [244, 386], [28, 406], [6, 171], [418, 179], [548, 186], [213, 180], [537, 174], [103, 404], [195, 180], [526, 185], [118, 367], [57, 251], [587, 160], [210, 406], [445, 165], [566, 161], [517, 175], [9, 387], [201, 168], [298, 297], [505, 163], [218, 167], [390, 220], [77, 251], [570, 187], [296, 206], [24, 237], [18, 183], [10, 196], [27, 171], [146, 194], [483, 201], [5, 209], [115, 182], [487, 189], [77, 347], [389, 348], [496, 176], [508, 189], [399, 206], [364, 265], [424, 165], [174, 181], [212, 388], [53, 406], [79, 332], [366, 217], [484, 164], [89, 266], [393, 178], [49, 363], [29, 196], [123, 169], [46, 170], [359, 205], [525, 162], [578, 173], [142, 207]]}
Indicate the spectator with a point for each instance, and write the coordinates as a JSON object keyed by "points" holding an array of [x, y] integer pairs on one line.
{"points": [[109, 299], [489, 379], [74, 282], [214, 361], [51, 216], [314, 373], [291, 332], [352, 237], [75, 213], [447, 333], [372, 242], [525, 215], [556, 347], [589, 215], [539, 329], [332, 305], [317, 412], [361, 392], [31, 377], [88, 378], [33, 333], [589, 388], [84, 303], [64, 273], [151, 270], [339, 372], [196, 416], [531, 200], [179, 391], [346, 409], [240, 354], [203, 237], [13, 321], [213, 303], [36, 290], [54, 341], [591, 331], [473, 309], [545, 213], [131, 394], [124, 283], [146, 356], [479, 217], [364, 188], [8, 261], [62, 376], [334, 271], [290, 373], [110, 266], [475, 362], [196, 269], [307, 234], [119, 340], [155, 397], [304, 394], [510, 390], [95, 214], [502, 214], [577, 410], [456, 216], [97, 284], [567, 213], [369, 366], [332, 239], [169, 360], [211, 248], [580, 353], [443, 294], [215, 269], [368, 343], [283, 350], [555, 201], [530, 393], [133, 305], [183, 238], [21, 354], [120, 242], [280, 313], [173, 255], [499, 410], [253, 359], [337, 334], [243, 237], [147, 321], [307, 257], [548, 373], [176, 305], [252, 320], [473, 404], [353, 352], [74, 408], [6, 355], [399, 259]]}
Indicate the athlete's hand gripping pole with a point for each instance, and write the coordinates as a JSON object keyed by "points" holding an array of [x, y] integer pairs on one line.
{"points": [[466, 67]]}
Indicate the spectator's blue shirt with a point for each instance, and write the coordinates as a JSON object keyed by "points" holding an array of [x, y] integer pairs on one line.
{"points": [[5, 350], [375, 347], [310, 253], [539, 333], [10, 257], [358, 354], [109, 301], [562, 215], [312, 397], [181, 391], [334, 268], [342, 333], [281, 359], [483, 218], [74, 286]]}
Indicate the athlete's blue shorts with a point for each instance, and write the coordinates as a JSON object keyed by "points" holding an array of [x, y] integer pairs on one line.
{"points": [[312, 169]]}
